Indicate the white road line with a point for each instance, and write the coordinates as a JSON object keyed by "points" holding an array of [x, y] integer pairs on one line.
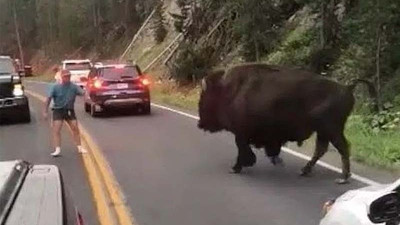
{"points": [[287, 150]]}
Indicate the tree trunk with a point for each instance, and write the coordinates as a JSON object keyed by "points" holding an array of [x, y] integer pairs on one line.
{"points": [[377, 59], [94, 14], [16, 26], [323, 24], [256, 46]]}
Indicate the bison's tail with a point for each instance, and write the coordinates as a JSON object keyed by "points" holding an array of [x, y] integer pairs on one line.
{"points": [[373, 94], [371, 88]]}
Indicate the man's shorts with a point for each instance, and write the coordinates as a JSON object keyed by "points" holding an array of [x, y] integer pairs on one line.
{"points": [[64, 114]]}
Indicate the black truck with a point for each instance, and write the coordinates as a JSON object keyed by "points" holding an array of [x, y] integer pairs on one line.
{"points": [[14, 105]]}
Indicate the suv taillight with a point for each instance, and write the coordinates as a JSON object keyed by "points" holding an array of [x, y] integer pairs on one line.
{"points": [[95, 83], [98, 84], [145, 81]]}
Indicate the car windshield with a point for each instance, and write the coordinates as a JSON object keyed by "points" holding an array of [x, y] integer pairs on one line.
{"points": [[6, 67], [77, 66], [119, 73]]}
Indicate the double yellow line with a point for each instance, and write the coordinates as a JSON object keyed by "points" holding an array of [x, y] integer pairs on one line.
{"points": [[110, 204]]}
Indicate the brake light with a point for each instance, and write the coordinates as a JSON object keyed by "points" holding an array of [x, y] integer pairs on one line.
{"points": [[145, 82], [97, 84]]}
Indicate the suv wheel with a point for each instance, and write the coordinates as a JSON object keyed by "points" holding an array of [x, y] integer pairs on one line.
{"points": [[93, 112], [87, 107], [146, 108]]}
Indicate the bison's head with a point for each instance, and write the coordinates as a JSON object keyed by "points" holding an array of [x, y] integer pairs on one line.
{"points": [[210, 102]]}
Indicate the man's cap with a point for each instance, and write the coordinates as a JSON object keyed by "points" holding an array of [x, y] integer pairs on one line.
{"points": [[65, 73]]}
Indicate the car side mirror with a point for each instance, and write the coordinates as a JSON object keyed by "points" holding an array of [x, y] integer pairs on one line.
{"points": [[385, 209], [15, 79], [21, 73]]}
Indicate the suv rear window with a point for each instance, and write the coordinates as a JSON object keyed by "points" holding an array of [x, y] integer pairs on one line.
{"points": [[77, 66], [6, 66], [119, 73]]}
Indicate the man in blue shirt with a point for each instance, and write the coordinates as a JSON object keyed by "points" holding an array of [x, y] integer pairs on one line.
{"points": [[63, 95]]}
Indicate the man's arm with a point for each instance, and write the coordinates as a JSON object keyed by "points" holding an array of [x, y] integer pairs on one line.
{"points": [[46, 107]]}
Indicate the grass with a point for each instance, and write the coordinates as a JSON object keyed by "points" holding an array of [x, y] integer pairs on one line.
{"points": [[380, 149], [168, 92]]}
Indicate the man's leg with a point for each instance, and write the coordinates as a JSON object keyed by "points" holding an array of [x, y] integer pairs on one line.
{"points": [[56, 129], [73, 124]]}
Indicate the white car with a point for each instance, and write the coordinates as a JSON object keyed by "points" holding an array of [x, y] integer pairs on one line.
{"points": [[36, 195], [378, 204], [79, 69]]}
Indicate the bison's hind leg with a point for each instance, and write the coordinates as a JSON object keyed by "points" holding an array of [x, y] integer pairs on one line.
{"points": [[321, 147], [342, 146]]}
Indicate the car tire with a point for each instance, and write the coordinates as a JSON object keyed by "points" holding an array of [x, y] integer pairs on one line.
{"points": [[25, 114], [87, 107], [93, 112], [146, 109]]}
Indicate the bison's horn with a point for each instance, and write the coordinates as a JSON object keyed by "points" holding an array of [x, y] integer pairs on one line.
{"points": [[203, 84]]}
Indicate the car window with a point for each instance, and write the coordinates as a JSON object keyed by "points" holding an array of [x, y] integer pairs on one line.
{"points": [[119, 73], [6, 67], [77, 66]]}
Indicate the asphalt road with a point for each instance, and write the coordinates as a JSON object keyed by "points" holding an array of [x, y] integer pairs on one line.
{"points": [[173, 173], [31, 142]]}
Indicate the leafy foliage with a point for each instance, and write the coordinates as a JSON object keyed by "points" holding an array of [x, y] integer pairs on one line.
{"points": [[386, 119], [191, 65]]}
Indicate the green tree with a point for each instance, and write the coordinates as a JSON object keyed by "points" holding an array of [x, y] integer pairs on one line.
{"points": [[159, 29], [256, 26]]}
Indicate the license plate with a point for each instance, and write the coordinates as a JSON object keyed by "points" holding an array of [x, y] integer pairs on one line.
{"points": [[122, 86]]}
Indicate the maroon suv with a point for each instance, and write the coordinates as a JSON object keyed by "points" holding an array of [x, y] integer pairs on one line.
{"points": [[121, 86]]}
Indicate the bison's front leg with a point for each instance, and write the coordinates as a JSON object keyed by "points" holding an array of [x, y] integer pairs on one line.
{"points": [[273, 152], [246, 156]]}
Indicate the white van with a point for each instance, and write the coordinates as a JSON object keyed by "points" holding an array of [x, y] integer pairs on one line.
{"points": [[79, 70]]}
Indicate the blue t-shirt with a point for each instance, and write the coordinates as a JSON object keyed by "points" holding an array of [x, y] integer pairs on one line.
{"points": [[63, 95]]}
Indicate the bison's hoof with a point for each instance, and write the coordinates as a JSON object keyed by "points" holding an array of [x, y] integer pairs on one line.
{"points": [[305, 172], [342, 181], [250, 161], [276, 160], [236, 169]]}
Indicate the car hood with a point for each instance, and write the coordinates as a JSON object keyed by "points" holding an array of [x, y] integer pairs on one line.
{"points": [[39, 201]]}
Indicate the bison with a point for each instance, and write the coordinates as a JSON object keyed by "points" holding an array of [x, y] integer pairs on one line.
{"points": [[267, 106]]}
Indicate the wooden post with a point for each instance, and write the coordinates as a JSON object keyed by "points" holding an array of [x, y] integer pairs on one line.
{"points": [[16, 25]]}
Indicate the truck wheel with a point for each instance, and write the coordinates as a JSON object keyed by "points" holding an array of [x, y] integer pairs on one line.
{"points": [[25, 114], [93, 112]]}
